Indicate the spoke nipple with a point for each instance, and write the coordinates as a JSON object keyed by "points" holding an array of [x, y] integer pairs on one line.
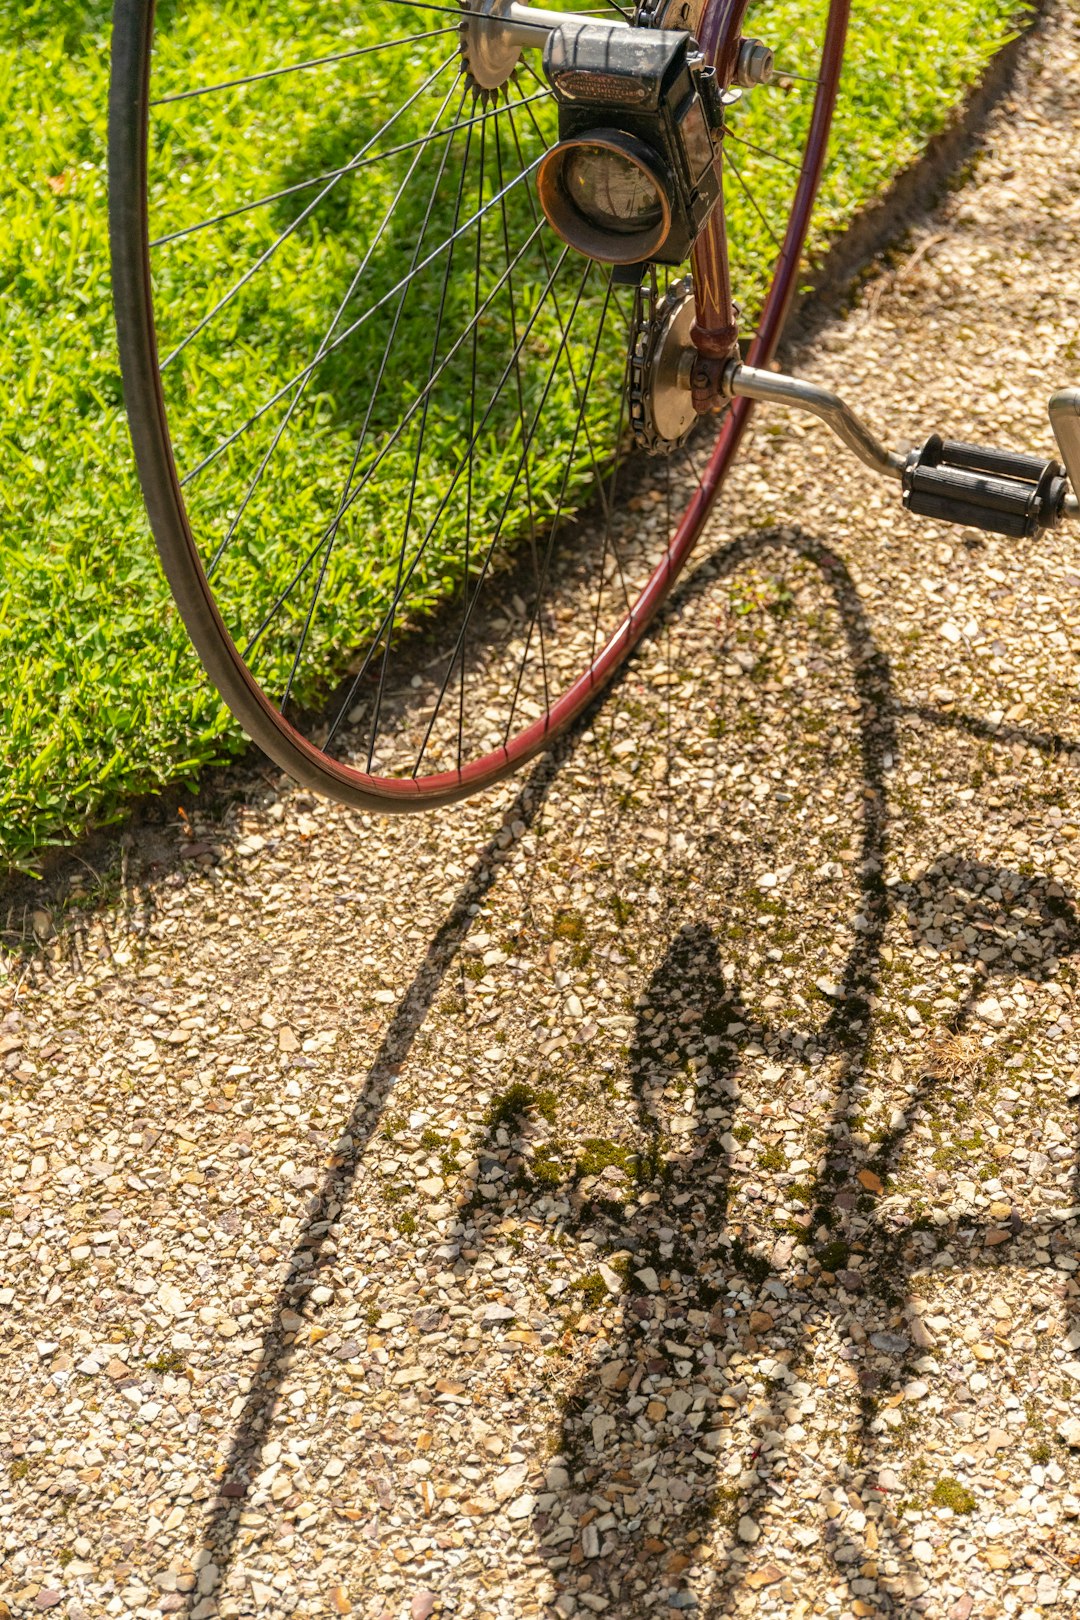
{"points": [[755, 64]]}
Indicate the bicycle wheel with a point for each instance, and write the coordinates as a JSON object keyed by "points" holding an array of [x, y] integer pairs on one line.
{"points": [[384, 419]]}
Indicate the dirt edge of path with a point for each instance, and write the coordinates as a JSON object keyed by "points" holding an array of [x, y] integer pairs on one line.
{"points": [[913, 195]]}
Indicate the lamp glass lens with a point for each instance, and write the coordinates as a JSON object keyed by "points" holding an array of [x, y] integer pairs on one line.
{"points": [[611, 191]]}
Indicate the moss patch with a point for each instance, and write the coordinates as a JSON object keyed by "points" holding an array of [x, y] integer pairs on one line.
{"points": [[949, 1493]]}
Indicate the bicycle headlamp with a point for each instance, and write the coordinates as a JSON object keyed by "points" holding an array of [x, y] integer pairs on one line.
{"points": [[633, 177]]}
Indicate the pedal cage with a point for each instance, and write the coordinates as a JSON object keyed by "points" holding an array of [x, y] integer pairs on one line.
{"points": [[994, 490]]}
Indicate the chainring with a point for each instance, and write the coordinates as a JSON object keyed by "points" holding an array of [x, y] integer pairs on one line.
{"points": [[662, 414]]}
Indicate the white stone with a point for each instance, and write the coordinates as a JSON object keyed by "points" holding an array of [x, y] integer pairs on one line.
{"points": [[509, 1482], [602, 1426], [171, 1300], [1069, 1430]]}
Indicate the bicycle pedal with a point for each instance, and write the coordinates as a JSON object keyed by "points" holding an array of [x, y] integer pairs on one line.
{"points": [[998, 491]]}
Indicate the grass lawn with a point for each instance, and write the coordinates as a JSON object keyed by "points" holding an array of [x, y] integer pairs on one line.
{"points": [[101, 696]]}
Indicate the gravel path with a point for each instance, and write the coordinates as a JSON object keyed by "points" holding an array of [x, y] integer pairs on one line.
{"points": [[654, 1192]]}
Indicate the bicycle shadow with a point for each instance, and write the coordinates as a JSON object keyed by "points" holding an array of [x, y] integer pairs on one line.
{"points": [[625, 1435], [623, 1441], [993, 928], [620, 1432], [672, 1210]]}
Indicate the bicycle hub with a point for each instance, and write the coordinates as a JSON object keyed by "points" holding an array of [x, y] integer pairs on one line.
{"points": [[634, 176]]}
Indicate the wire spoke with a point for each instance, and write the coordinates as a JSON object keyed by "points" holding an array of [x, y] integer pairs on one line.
{"points": [[503, 512], [558, 314], [631, 317], [300, 67], [569, 359], [605, 485], [762, 151], [606, 494], [417, 458], [472, 424], [731, 164], [609, 527], [343, 337], [521, 398], [387, 447], [527, 65], [445, 499], [803, 78], [354, 283], [334, 174], [227, 297], [549, 550], [694, 468], [336, 526]]}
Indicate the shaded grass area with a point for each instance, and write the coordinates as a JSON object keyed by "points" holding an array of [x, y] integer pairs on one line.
{"points": [[101, 697]]}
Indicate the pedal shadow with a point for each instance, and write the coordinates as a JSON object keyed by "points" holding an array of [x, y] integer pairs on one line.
{"points": [[621, 1438]]}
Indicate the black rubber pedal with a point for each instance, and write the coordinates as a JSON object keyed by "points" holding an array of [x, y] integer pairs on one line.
{"points": [[997, 491], [998, 463]]}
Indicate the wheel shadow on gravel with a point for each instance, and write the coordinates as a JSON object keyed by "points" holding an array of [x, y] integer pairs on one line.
{"points": [[252, 1427], [676, 1216]]}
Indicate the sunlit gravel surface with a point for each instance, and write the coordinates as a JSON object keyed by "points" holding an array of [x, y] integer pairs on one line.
{"points": [[650, 1189]]}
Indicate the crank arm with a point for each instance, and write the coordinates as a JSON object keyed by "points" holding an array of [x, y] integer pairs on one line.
{"points": [[523, 25], [998, 491]]}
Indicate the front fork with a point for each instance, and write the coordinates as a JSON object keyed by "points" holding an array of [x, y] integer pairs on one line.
{"points": [[715, 332]]}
